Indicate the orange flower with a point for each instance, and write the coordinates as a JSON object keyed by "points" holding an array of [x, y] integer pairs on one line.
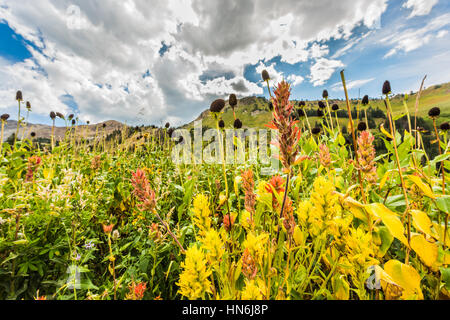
{"points": [[136, 291], [108, 229]]}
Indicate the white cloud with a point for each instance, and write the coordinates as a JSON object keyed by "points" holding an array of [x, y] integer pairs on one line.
{"points": [[420, 7], [102, 64], [351, 84], [295, 80], [323, 69], [412, 39]]}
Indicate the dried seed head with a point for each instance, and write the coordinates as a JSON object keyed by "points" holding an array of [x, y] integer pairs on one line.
{"points": [[335, 107], [19, 96], [217, 106], [222, 124], [74, 122], [238, 124], [5, 117], [302, 104], [387, 88], [88, 122], [445, 126], [167, 125], [28, 105], [434, 112], [233, 100], [270, 106], [362, 126], [325, 94], [70, 117], [33, 134], [320, 113], [301, 113], [265, 75], [170, 132], [59, 115], [104, 125], [322, 105], [365, 100], [315, 131], [52, 115]]}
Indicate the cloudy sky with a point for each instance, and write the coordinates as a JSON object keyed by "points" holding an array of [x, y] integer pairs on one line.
{"points": [[152, 61]]}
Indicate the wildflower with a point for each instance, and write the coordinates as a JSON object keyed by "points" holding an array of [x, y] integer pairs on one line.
{"points": [[248, 185], [335, 107], [89, 245], [108, 228], [194, 280], [221, 124], [434, 112], [237, 124], [202, 213], [214, 246], [28, 105], [289, 133], [249, 268], [116, 235], [217, 106], [324, 155], [5, 117], [256, 245], [445, 126], [362, 126], [254, 290], [276, 184], [167, 125], [387, 88], [59, 115], [228, 222], [366, 153], [325, 94], [365, 100], [70, 117], [96, 163], [246, 219], [265, 75], [136, 291], [143, 191], [33, 164], [52, 115], [19, 96]]}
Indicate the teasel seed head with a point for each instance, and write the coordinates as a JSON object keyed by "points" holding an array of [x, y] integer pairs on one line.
{"points": [[362, 126], [270, 106], [320, 113], [322, 105], [28, 105], [315, 131], [445, 126], [387, 88], [233, 100], [217, 106], [325, 94], [238, 124], [434, 112], [335, 107], [5, 117], [221, 124], [33, 134], [60, 115], [19, 96], [88, 122], [265, 75], [74, 122], [52, 115], [365, 100], [167, 125]]}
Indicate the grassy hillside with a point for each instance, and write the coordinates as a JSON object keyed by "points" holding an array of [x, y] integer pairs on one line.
{"points": [[254, 113]]}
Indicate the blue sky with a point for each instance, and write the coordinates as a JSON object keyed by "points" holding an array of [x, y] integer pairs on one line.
{"points": [[143, 64]]}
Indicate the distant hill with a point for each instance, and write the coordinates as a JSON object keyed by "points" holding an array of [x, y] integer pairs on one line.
{"points": [[254, 112], [44, 131]]}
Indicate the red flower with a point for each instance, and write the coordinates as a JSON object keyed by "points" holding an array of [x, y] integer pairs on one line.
{"points": [[136, 291], [108, 228], [143, 191]]}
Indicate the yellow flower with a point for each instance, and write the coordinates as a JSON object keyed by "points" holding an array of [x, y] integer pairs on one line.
{"points": [[256, 245], [246, 219], [194, 282], [202, 213], [254, 290], [214, 246]]}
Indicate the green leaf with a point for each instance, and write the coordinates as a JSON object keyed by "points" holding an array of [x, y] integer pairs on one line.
{"points": [[443, 203]]}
